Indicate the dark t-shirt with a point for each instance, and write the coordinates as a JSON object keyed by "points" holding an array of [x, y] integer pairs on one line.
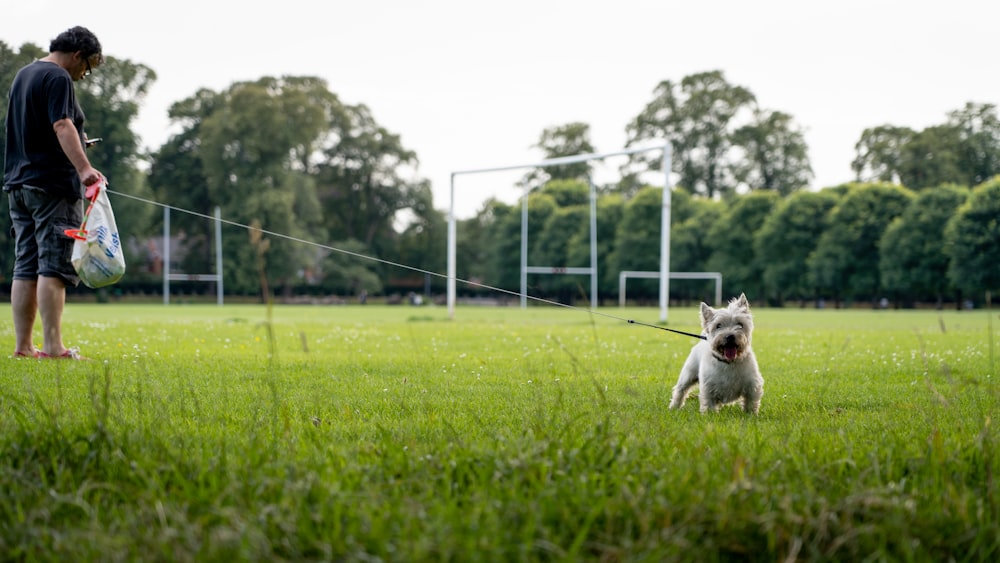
{"points": [[41, 94]]}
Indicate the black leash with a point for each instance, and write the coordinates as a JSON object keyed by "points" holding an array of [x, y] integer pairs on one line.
{"points": [[701, 336]]}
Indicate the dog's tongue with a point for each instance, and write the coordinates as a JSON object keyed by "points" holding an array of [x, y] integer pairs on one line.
{"points": [[730, 352]]}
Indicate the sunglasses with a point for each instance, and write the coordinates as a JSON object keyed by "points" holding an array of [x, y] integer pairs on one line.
{"points": [[87, 72]]}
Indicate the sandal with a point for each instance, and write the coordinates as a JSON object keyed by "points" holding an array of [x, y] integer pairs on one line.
{"points": [[33, 355], [69, 354]]}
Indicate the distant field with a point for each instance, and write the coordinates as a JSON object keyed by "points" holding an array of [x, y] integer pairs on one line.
{"points": [[393, 433]]}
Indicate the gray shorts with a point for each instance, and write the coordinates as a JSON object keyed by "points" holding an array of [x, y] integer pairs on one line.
{"points": [[41, 246]]}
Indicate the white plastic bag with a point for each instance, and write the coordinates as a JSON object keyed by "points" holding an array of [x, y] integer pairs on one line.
{"points": [[97, 253]]}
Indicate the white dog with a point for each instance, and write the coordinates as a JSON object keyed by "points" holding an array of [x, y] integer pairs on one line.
{"points": [[723, 363]]}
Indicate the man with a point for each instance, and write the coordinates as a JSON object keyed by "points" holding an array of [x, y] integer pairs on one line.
{"points": [[45, 171]]}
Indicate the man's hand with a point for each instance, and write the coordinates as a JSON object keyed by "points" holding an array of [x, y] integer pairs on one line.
{"points": [[69, 140], [90, 176]]}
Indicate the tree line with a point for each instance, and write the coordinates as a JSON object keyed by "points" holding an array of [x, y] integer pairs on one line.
{"points": [[854, 243], [287, 155]]}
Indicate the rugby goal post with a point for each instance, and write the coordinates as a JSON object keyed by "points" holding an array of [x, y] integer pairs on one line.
{"points": [[664, 216], [624, 275], [216, 277]]}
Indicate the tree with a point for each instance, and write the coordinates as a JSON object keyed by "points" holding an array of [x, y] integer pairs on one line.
{"points": [[246, 150], [570, 139], [979, 132], [177, 178], [912, 258], [637, 240], [365, 177], [878, 153], [964, 150], [683, 205], [637, 236], [10, 63], [932, 158], [476, 253], [786, 239], [489, 246], [697, 117], [345, 274], [251, 142], [564, 224], [972, 241], [567, 193], [424, 237], [845, 262], [287, 152], [691, 246], [732, 238], [775, 154]]}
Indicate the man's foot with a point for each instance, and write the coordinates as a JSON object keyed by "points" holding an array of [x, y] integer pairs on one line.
{"points": [[69, 354], [33, 354]]}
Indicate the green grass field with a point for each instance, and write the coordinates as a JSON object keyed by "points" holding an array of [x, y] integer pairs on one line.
{"points": [[392, 433]]}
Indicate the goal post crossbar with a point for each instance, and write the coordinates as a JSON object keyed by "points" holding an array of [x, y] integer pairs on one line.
{"points": [[625, 274], [559, 161], [569, 270], [586, 157]]}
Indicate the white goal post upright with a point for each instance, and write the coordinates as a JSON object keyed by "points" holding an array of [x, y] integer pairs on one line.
{"points": [[664, 224], [665, 213]]}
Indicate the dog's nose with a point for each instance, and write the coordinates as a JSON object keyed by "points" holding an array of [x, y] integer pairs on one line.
{"points": [[730, 339]]}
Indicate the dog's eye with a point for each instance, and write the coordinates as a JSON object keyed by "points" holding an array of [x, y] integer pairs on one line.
{"points": [[718, 326], [739, 326]]}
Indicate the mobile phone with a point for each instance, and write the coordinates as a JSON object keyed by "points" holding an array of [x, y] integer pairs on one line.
{"points": [[94, 141]]}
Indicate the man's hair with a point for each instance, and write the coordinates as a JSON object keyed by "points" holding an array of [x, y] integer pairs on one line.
{"points": [[77, 39]]}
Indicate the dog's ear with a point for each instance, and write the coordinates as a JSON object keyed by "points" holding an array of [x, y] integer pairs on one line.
{"points": [[707, 314], [742, 303]]}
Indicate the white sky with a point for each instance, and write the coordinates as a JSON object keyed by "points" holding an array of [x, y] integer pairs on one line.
{"points": [[471, 84]]}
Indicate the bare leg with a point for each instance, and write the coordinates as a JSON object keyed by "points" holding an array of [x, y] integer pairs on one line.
{"points": [[24, 305], [51, 302]]}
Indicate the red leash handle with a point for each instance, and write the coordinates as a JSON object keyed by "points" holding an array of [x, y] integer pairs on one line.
{"points": [[92, 192]]}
